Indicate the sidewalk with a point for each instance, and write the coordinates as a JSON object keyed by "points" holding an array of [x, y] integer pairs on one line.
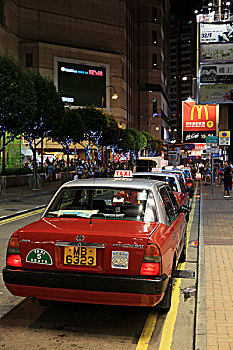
{"points": [[218, 244], [20, 198]]}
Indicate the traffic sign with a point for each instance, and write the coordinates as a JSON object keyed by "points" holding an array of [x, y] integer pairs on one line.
{"points": [[224, 141], [224, 138], [224, 133], [212, 148], [211, 139]]}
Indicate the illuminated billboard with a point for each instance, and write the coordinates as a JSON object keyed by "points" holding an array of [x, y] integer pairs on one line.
{"points": [[199, 121], [216, 52], [216, 32], [81, 84], [215, 75]]}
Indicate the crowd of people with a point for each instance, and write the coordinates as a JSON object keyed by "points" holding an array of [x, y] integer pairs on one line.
{"points": [[222, 174]]}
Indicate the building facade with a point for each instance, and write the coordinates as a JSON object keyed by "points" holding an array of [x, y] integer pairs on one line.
{"points": [[122, 41]]}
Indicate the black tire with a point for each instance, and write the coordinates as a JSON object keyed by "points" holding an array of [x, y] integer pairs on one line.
{"points": [[182, 258], [165, 303], [44, 304], [187, 217]]}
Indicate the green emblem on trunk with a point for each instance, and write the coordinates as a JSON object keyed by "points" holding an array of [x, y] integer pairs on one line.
{"points": [[39, 256]]}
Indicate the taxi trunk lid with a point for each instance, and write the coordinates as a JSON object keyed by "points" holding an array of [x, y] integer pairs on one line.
{"points": [[83, 245]]}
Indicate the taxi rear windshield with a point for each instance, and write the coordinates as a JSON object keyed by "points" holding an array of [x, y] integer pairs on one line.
{"points": [[168, 179], [104, 203]]}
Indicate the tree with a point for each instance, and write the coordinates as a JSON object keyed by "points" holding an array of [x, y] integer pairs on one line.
{"points": [[152, 144], [69, 129], [110, 134], [94, 121], [126, 141], [140, 142], [45, 117], [17, 99]]}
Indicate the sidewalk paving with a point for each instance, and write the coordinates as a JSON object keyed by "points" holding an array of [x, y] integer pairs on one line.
{"points": [[218, 244], [20, 198]]}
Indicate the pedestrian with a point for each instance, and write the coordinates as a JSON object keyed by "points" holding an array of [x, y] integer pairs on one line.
{"points": [[50, 172], [206, 173], [96, 169], [220, 174], [227, 180], [80, 170]]}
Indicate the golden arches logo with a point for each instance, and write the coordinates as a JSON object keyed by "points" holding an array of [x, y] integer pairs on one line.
{"points": [[199, 111]]}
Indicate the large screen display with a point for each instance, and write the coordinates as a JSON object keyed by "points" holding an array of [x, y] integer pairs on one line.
{"points": [[81, 84]]}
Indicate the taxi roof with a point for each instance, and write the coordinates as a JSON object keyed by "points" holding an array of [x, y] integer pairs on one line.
{"points": [[155, 173], [115, 182]]}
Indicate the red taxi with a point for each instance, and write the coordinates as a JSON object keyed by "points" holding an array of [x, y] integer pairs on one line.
{"points": [[89, 248], [190, 181], [173, 180]]}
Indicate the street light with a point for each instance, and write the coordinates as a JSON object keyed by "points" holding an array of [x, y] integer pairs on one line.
{"points": [[114, 95]]}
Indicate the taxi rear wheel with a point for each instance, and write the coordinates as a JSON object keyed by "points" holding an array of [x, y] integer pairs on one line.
{"points": [[165, 303], [182, 258]]}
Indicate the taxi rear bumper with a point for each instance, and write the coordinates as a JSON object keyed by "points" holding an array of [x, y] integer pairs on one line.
{"points": [[88, 282]]}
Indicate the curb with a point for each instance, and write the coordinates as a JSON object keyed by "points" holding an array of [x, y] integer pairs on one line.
{"points": [[5, 217], [200, 329]]}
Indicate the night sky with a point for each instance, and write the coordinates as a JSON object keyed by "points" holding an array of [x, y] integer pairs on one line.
{"points": [[185, 8]]}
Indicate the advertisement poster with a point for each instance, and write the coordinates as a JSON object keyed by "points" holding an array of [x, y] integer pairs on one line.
{"points": [[199, 121], [216, 32], [219, 73], [216, 53], [220, 93]]}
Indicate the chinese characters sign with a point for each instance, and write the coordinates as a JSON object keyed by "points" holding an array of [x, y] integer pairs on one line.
{"points": [[199, 121]]}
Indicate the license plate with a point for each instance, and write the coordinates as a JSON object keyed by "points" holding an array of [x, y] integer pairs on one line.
{"points": [[80, 256]]}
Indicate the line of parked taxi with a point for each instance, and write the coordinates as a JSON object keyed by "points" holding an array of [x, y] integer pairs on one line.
{"points": [[104, 241]]}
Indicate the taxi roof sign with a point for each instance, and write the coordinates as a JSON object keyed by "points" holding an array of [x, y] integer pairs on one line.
{"points": [[155, 169], [123, 173]]}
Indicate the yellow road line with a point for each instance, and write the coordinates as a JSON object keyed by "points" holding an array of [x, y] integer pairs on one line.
{"points": [[169, 324], [166, 339], [20, 217], [147, 330]]}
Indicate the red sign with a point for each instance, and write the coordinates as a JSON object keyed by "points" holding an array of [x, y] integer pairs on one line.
{"points": [[199, 121], [123, 173], [200, 146]]}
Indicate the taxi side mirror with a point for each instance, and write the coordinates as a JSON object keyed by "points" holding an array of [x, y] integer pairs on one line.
{"points": [[185, 208]]}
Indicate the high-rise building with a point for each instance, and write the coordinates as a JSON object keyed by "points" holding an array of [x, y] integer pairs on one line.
{"points": [[94, 49], [182, 67]]}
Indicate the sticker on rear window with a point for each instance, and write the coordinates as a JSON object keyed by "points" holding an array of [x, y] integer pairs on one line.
{"points": [[39, 256], [120, 260]]}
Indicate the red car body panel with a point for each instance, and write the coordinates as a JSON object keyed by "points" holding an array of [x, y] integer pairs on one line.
{"points": [[182, 198], [102, 283], [108, 232], [84, 296]]}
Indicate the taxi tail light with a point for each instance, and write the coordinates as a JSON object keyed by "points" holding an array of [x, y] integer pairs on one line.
{"points": [[151, 264], [190, 184], [13, 257]]}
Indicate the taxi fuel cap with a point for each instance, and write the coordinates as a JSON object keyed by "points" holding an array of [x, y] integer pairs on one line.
{"points": [[123, 173]]}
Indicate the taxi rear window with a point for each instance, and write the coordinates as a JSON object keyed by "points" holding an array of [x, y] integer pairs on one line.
{"points": [[104, 203], [166, 178]]}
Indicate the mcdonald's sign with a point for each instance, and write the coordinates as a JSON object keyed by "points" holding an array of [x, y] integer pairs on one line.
{"points": [[199, 121]]}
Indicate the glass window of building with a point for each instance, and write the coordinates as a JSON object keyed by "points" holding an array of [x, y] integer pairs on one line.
{"points": [[29, 59], [154, 38], [154, 60], [154, 14], [155, 110]]}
